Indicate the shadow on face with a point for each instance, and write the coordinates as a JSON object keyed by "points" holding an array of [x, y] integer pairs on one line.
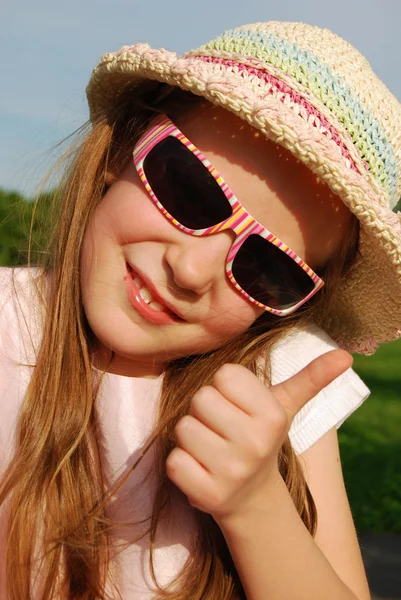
{"points": [[274, 186]]}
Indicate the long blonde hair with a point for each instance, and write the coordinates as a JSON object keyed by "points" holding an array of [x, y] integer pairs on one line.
{"points": [[54, 484]]}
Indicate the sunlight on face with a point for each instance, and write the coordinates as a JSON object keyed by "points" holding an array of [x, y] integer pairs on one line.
{"points": [[186, 273]]}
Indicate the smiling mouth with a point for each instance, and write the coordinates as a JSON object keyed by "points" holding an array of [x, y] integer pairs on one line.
{"points": [[148, 297]]}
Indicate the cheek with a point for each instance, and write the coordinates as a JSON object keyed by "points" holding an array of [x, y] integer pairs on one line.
{"points": [[125, 216], [124, 210], [88, 253], [95, 246], [231, 316]]}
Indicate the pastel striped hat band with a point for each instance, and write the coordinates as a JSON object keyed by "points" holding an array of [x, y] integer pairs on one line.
{"points": [[312, 92]]}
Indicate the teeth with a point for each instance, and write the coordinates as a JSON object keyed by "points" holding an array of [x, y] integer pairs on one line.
{"points": [[156, 306], [145, 295]]}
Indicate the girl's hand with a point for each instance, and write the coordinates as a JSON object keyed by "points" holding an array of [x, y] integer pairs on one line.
{"points": [[228, 444]]}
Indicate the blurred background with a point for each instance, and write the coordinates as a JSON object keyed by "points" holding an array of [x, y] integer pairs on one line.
{"points": [[49, 50]]}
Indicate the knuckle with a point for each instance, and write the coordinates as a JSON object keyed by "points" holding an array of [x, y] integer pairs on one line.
{"points": [[216, 499], [277, 419], [259, 448], [173, 460], [227, 371], [314, 371], [238, 471], [184, 424], [201, 396], [256, 445]]}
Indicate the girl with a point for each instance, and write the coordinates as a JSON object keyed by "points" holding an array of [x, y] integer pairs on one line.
{"points": [[177, 435]]}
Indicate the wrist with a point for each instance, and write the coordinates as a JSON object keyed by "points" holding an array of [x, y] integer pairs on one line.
{"points": [[258, 505]]}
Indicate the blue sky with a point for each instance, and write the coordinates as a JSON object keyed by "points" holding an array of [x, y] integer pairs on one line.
{"points": [[49, 48]]}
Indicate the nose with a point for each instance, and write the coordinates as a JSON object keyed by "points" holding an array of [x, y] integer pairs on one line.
{"points": [[198, 262]]}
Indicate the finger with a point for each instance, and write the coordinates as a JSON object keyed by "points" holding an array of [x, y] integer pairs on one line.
{"points": [[219, 414], [199, 441], [187, 474], [296, 391], [243, 388]]}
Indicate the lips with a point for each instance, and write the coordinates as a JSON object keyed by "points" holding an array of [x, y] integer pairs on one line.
{"points": [[146, 300]]}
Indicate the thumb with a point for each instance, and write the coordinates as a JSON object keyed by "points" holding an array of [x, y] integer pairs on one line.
{"points": [[296, 391]]}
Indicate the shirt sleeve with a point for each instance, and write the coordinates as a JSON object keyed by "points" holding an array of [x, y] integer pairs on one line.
{"points": [[332, 405]]}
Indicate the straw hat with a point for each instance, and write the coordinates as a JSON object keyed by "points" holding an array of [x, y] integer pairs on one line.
{"points": [[312, 92]]}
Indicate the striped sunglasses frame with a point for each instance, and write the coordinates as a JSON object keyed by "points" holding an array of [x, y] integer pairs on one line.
{"points": [[240, 221]]}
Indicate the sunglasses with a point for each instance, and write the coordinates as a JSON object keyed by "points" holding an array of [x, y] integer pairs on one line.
{"points": [[193, 196]]}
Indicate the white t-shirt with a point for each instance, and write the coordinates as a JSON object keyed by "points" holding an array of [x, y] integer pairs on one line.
{"points": [[126, 408]]}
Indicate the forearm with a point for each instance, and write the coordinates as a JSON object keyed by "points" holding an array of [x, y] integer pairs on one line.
{"points": [[275, 555]]}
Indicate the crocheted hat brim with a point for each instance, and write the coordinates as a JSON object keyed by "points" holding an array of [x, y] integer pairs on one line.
{"points": [[367, 309]]}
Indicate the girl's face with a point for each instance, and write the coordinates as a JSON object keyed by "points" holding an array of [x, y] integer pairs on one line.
{"points": [[128, 238]]}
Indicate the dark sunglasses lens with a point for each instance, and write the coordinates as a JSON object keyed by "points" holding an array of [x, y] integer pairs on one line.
{"points": [[184, 186], [269, 275]]}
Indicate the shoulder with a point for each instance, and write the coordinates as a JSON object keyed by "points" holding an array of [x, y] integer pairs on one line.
{"points": [[297, 349], [14, 280], [8, 304], [18, 342], [334, 404], [19, 312]]}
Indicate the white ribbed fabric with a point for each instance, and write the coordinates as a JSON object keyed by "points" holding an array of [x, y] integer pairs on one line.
{"points": [[333, 405], [127, 407]]}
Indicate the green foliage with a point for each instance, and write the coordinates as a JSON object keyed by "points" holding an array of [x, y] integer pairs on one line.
{"points": [[15, 221], [370, 443]]}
